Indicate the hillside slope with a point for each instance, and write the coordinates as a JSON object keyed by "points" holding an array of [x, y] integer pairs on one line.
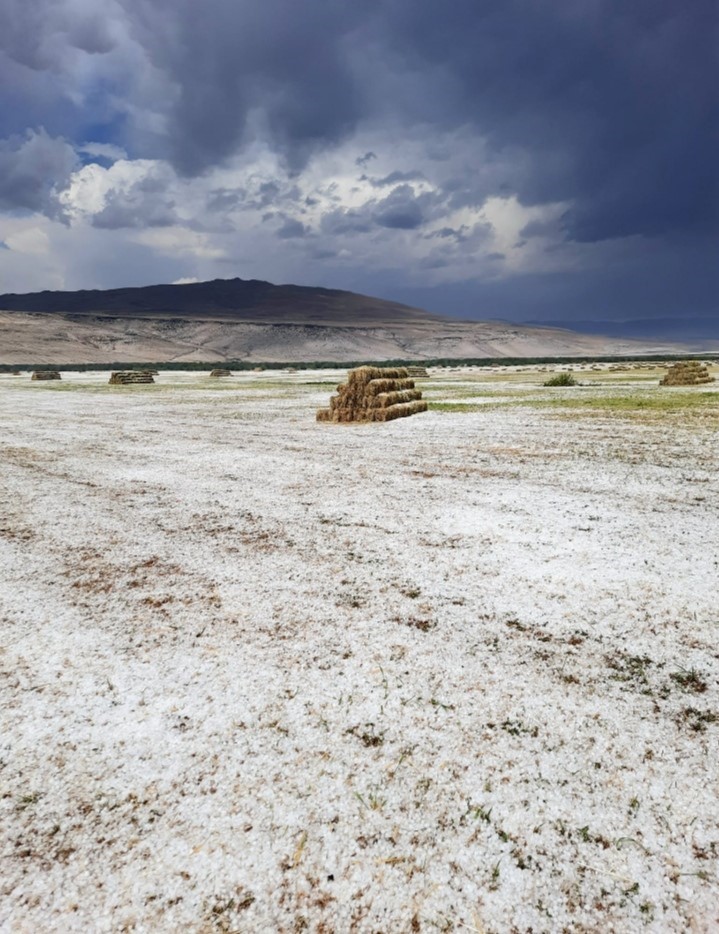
{"points": [[261, 322], [56, 339], [249, 300]]}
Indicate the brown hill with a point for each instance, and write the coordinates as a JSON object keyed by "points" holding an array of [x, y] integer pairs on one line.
{"points": [[223, 299], [227, 320]]}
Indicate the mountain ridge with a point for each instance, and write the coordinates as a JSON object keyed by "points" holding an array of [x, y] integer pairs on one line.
{"points": [[221, 299], [256, 321]]}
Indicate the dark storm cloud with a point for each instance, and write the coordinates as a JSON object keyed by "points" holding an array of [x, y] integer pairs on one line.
{"points": [[346, 221], [612, 101], [221, 200], [239, 67], [364, 161], [401, 209], [648, 283], [52, 59], [539, 228], [607, 106], [32, 169], [291, 229], [133, 211], [394, 178], [39, 34], [144, 203]]}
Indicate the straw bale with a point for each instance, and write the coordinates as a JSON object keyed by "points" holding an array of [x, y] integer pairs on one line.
{"points": [[420, 371], [687, 373], [217, 374], [46, 374], [374, 394], [386, 399], [399, 411], [377, 386], [364, 374], [130, 377]]}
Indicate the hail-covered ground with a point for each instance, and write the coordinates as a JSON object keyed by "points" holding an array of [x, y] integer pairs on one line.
{"points": [[454, 672]]}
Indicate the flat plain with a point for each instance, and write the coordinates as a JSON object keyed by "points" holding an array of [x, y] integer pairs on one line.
{"points": [[454, 672]]}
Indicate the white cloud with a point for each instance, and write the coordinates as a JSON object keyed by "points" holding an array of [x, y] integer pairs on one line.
{"points": [[32, 241], [103, 151], [179, 241], [231, 220]]}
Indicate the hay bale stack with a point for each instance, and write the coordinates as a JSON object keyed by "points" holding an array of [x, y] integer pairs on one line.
{"points": [[687, 373], [218, 374], [420, 372], [130, 377], [374, 394], [46, 374]]}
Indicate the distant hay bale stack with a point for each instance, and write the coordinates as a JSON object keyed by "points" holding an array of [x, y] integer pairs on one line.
{"points": [[687, 373], [130, 377], [420, 372], [374, 394], [46, 374], [218, 374]]}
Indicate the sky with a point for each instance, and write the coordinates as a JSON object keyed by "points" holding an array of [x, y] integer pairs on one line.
{"points": [[483, 158]]}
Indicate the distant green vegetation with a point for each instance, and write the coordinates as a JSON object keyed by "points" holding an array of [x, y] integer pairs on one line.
{"points": [[335, 364], [561, 379], [456, 406], [706, 402], [638, 404]]}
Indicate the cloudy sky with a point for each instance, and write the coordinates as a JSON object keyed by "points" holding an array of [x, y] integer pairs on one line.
{"points": [[525, 159]]}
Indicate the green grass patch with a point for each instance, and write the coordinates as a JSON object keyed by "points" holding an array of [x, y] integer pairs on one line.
{"points": [[455, 406], [658, 403], [561, 379]]}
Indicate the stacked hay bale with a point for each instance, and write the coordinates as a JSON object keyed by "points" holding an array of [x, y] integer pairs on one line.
{"points": [[687, 373], [374, 394], [418, 371], [218, 374], [46, 374], [130, 377]]}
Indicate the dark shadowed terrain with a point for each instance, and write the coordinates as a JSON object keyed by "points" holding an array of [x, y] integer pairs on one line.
{"points": [[227, 320]]}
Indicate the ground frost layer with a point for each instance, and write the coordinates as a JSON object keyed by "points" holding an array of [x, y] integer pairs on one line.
{"points": [[456, 672]]}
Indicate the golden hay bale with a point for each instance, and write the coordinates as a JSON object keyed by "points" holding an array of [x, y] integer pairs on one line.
{"points": [[398, 411], [376, 386], [687, 373], [385, 399], [45, 374], [420, 371], [374, 394], [219, 373], [130, 377], [364, 374]]}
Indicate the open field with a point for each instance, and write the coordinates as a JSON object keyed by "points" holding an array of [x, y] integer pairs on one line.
{"points": [[454, 672]]}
